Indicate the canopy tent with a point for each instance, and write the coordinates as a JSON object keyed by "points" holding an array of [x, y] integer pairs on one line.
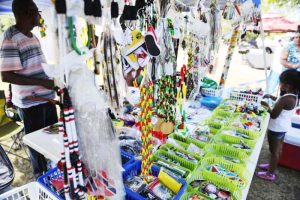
{"points": [[274, 23], [222, 3], [277, 23], [5, 9], [5, 5]]}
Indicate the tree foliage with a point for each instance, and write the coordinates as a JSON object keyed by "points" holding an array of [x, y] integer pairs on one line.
{"points": [[5, 22], [284, 2]]}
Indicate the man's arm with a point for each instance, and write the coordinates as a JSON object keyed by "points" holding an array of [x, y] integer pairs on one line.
{"points": [[284, 60], [11, 77]]}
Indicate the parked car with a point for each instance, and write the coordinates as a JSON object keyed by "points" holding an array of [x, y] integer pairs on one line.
{"points": [[255, 58], [255, 55]]}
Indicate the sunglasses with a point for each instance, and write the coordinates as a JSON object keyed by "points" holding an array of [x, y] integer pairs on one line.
{"points": [[35, 11]]}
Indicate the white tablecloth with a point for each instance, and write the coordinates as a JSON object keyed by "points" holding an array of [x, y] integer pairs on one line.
{"points": [[254, 157], [50, 145]]}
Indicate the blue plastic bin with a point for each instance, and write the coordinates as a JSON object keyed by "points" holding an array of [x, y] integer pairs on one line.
{"points": [[45, 179], [211, 102], [129, 157], [54, 173], [135, 169]]}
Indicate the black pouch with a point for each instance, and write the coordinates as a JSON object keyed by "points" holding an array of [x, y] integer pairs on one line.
{"points": [[97, 9], [88, 7], [114, 10], [129, 13], [140, 4], [60, 6]]}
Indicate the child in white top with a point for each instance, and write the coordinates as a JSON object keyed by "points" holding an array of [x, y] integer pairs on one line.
{"points": [[280, 120]]}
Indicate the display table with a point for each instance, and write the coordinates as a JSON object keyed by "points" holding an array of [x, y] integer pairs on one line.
{"points": [[255, 155], [50, 145]]}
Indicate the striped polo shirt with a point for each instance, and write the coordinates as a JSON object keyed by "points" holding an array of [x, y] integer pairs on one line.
{"points": [[23, 55]]}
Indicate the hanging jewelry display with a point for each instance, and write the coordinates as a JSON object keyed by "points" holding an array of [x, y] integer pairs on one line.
{"points": [[190, 82], [233, 42], [70, 164], [195, 68], [146, 104], [166, 92], [109, 69], [215, 25], [232, 45]]}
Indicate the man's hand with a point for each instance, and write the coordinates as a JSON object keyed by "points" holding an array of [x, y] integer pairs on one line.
{"points": [[9, 104], [296, 66]]}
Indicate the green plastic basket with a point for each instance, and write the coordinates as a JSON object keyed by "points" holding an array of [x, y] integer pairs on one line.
{"points": [[251, 134], [224, 150], [156, 158], [240, 119], [182, 144], [241, 171], [217, 180], [183, 163], [241, 124], [166, 146], [223, 107], [186, 196], [228, 139], [187, 140], [220, 112], [213, 130], [216, 124]]}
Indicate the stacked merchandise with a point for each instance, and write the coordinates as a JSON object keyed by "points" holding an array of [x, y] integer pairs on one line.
{"points": [[162, 186], [204, 158], [223, 172], [211, 156]]}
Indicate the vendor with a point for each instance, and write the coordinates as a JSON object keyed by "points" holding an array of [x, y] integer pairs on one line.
{"points": [[21, 59]]}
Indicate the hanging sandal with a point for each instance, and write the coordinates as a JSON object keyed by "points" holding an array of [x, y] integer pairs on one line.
{"points": [[264, 166], [266, 175], [151, 42]]}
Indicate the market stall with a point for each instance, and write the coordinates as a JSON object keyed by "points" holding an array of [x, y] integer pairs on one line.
{"points": [[139, 118], [45, 143]]}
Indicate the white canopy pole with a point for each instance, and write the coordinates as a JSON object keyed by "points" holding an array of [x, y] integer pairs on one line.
{"points": [[262, 34]]}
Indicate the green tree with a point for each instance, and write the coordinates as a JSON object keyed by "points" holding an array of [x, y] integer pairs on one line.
{"points": [[5, 22], [284, 2]]}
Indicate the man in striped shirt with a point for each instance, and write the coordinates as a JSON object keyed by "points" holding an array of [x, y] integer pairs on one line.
{"points": [[21, 59]]}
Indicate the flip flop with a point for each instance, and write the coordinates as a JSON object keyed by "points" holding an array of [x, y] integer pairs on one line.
{"points": [[265, 175], [264, 166]]}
